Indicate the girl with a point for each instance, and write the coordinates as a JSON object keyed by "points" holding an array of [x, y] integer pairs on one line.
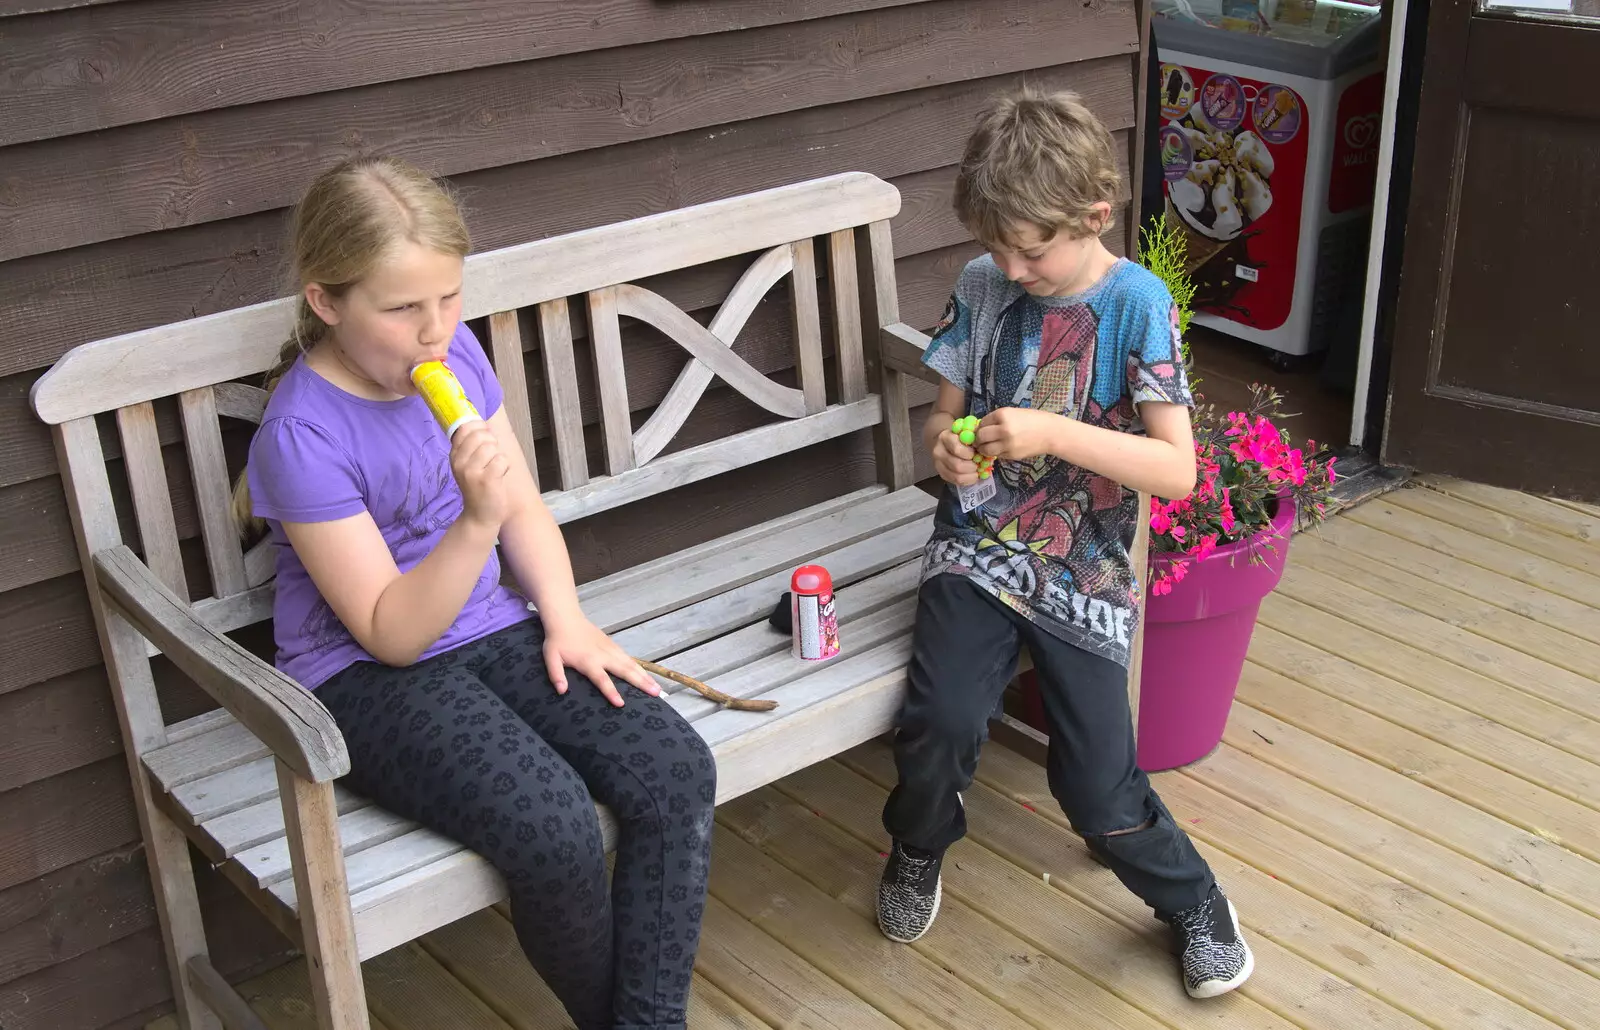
{"points": [[457, 704]]}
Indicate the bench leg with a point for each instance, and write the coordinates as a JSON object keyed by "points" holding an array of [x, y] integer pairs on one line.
{"points": [[177, 906], [326, 923]]}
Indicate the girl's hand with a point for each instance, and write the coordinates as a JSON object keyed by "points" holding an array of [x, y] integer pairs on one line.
{"points": [[1019, 434], [480, 468], [952, 459], [584, 647]]}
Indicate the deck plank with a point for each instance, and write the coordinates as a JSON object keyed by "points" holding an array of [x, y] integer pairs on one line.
{"points": [[1469, 729], [408, 990], [1535, 511], [1573, 618], [1577, 656], [1463, 545], [1346, 947], [971, 941], [1497, 961], [1516, 800], [1488, 524], [911, 988], [1286, 982], [774, 983], [1317, 634], [1451, 643], [1532, 916], [1396, 794]]}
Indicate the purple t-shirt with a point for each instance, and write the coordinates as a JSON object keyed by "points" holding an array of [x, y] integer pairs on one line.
{"points": [[323, 454]]}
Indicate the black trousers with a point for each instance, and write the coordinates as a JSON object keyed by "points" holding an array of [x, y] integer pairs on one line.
{"points": [[964, 651], [476, 744]]}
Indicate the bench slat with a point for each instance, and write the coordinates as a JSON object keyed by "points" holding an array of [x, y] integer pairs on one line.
{"points": [[776, 671], [715, 616], [857, 600], [677, 559], [209, 467], [267, 864], [717, 573], [692, 464], [229, 744], [248, 831], [153, 363], [227, 835]]}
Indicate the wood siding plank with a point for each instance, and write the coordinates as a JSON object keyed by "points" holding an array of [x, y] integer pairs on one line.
{"points": [[86, 189], [246, 45], [55, 301]]}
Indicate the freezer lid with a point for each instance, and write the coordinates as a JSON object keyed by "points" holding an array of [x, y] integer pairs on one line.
{"points": [[1318, 39]]}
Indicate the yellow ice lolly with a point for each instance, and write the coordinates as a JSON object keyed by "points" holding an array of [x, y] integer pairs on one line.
{"points": [[444, 396]]}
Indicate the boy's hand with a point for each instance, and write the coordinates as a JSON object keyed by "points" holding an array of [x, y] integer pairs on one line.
{"points": [[1018, 434], [952, 459]]}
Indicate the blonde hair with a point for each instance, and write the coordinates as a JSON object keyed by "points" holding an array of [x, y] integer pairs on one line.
{"points": [[350, 218], [1035, 157]]}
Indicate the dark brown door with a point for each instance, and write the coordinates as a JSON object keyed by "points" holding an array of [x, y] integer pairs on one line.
{"points": [[1496, 373]]}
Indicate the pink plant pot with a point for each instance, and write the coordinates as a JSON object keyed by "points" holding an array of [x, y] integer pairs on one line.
{"points": [[1195, 641]]}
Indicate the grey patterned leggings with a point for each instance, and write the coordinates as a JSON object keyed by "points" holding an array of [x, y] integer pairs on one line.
{"points": [[477, 745]]}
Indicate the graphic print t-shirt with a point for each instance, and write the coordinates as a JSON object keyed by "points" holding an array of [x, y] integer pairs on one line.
{"points": [[1053, 543], [322, 454]]}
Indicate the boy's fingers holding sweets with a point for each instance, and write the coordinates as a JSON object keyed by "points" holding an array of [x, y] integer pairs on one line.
{"points": [[1016, 433], [953, 460]]}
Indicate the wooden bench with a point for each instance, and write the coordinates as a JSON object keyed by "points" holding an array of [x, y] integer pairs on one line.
{"points": [[253, 783]]}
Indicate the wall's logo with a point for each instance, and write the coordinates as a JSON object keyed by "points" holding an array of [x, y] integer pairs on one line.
{"points": [[1361, 131]]}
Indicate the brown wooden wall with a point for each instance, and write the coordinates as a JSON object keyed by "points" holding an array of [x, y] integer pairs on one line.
{"points": [[148, 151]]}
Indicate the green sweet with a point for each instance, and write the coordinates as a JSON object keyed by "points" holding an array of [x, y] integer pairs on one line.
{"points": [[967, 436]]}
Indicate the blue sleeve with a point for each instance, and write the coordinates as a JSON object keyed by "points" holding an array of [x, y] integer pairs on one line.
{"points": [[298, 473], [471, 366], [1155, 369], [949, 352]]}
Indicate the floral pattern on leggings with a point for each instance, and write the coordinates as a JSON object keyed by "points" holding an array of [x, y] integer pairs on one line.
{"points": [[476, 744]]}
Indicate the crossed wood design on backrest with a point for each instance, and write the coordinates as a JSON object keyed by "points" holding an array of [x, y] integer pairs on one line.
{"points": [[710, 350]]}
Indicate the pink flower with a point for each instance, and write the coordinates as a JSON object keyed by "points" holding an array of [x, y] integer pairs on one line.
{"points": [[1228, 521], [1329, 466], [1161, 587], [1160, 522], [1180, 569], [1203, 549], [1178, 533]]}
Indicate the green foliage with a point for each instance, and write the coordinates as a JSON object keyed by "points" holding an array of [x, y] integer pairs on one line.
{"points": [[1164, 249]]}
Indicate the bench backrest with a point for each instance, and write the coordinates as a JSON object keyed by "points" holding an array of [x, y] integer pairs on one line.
{"points": [[202, 360]]}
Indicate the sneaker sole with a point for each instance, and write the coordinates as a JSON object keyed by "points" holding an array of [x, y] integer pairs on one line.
{"points": [[1216, 988], [938, 895]]}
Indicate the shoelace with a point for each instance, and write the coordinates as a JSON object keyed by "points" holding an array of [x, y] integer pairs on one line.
{"points": [[1196, 922], [914, 867]]}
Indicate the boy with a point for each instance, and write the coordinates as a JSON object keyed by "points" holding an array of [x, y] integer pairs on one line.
{"points": [[1069, 356]]}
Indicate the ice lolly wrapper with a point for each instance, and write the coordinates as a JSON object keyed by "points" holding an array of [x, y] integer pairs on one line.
{"points": [[443, 394]]}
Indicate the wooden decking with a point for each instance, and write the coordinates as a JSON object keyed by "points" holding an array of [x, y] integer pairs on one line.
{"points": [[1406, 810]]}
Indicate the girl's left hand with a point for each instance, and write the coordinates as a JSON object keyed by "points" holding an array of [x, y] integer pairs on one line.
{"points": [[1018, 434], [582, 646]]}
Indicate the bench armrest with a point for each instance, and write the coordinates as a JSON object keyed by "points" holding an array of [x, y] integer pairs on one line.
{"points": [[901, 348], [282, 714]]}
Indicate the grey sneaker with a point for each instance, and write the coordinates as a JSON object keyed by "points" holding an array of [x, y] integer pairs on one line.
{"points": [[1215, 957], [909, 893]]}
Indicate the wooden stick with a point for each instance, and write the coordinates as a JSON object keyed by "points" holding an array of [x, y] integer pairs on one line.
{"points": [[737, 703]]}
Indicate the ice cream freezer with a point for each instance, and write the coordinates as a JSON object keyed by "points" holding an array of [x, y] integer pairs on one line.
{"points": [[1269, 141]]}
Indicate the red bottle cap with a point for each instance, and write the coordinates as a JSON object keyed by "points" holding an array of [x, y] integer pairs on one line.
{"points": [[811, 579]]}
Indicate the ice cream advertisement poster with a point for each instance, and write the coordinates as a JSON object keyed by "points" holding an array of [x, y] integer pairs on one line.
{"points": [[1233, 156]]}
